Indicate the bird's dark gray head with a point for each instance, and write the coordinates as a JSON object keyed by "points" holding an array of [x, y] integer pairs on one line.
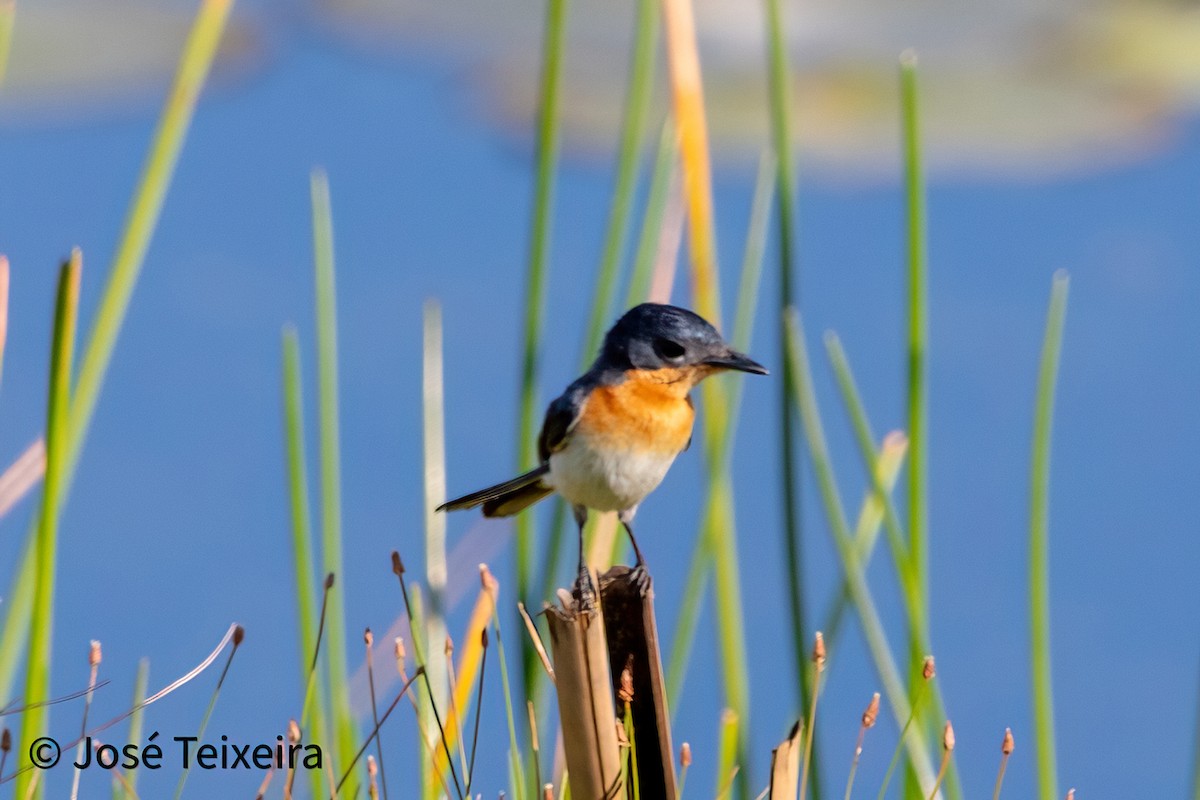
{"points": [[653, 336]]}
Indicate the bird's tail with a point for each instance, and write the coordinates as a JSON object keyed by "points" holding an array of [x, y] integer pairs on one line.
{"points": [[505, 499]]}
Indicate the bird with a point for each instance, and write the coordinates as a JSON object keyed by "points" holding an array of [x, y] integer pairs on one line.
{"points": [[607, 441]]}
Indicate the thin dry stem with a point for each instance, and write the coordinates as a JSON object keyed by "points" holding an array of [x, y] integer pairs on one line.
{"points": [[1006, 748], [947, 749], [536, 638], [818, 657]]}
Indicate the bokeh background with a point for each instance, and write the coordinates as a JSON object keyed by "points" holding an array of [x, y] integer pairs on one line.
{"points": [[1057, 138]]}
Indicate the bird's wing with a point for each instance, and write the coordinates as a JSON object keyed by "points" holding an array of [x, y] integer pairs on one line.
{"points": [[561, 418]]}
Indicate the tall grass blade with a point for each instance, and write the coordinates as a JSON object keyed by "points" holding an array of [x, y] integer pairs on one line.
{"points": [[866, 531], [877, 644], [1039, 543], [871, 457], [747, 305], [727, 753], [194, 65], [918, 391], [779, 82], [688, 102], [58, 433], [344, 731], [876, 466], [553, 46], [302, 547], [434, 440]]}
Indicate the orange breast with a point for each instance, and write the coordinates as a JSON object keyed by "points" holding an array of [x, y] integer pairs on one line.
{"points": [[648, 411]]}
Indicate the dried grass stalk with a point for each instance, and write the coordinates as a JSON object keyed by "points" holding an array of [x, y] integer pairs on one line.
{"points": [[585, 699]]}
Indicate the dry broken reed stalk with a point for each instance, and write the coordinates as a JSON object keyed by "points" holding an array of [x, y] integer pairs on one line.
{"points": [[583, 681], [631, 632], [534, 742], [785, 767]]}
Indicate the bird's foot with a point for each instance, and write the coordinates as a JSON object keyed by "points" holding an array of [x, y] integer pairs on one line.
{"points": [[640, 576], [585, 590]]}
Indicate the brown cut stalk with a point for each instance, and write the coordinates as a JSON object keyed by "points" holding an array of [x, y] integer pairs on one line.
{"points": [[785, 767], [585, 698], [632, 634]]}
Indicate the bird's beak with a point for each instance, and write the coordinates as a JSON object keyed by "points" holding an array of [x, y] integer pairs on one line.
{"points": [[735, 360]]}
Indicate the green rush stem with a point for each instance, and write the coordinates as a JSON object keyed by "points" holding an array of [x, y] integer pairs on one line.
{"points": [[867, 449], [918, 392], [870, 455], [778, 74], [195, 62], [1039, 543], [345, 736], [868, 614], [553, 46], [58, 432], [302, 548], [747, 305]]}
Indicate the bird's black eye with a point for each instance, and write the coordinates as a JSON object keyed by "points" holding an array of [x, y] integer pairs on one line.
{"points": [[668, 350]]}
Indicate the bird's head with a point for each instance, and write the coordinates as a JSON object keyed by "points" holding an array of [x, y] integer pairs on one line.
{"points": [[660, 337]]}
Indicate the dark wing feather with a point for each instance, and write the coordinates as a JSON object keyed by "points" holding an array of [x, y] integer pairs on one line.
{"points": [[496, 492], [562, 416]]}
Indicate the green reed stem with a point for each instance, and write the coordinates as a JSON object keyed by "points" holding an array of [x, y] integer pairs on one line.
{"points": [[58, 431], [1039, 543], [553, 47], [873, 632], [344, 728], [302, 547]]}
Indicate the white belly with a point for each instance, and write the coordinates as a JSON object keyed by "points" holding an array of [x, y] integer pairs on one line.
{"points": [[606, 480]]}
